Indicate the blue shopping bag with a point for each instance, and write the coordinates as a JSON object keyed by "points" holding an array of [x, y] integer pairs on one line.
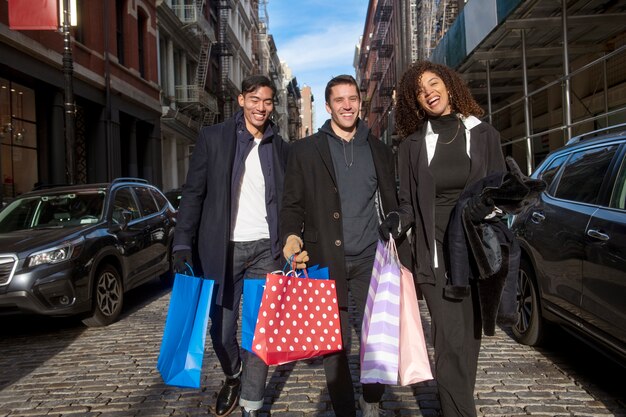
{"points": [[184, 335], [316, 272], [252, 294]]}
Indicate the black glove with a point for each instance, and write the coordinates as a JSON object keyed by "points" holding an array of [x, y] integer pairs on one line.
{"points": [[390, 226], [477, 208], [180, 260]]}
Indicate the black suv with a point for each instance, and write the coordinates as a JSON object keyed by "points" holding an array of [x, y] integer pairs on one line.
{"points": [[573, 268], [75, 250]]}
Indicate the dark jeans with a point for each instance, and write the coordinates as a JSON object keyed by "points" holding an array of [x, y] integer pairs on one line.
{"points": [[248, 260], [336, 365], [456, 335]]}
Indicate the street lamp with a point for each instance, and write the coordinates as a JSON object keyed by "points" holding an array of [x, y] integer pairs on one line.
{"points": [[68, 106]]}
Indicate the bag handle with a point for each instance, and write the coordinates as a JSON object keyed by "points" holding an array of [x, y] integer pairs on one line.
{"points": [[393, 250], [291, 263], [190, 269]]}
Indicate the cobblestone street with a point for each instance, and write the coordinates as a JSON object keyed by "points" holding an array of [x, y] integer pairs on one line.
{"points": [[60, 368]]}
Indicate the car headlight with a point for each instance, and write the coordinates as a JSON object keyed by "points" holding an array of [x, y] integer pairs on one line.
{"points": [[56, 254]]}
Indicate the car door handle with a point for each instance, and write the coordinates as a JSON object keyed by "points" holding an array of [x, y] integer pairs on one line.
{"points": [[538, 217], [597, 235]]}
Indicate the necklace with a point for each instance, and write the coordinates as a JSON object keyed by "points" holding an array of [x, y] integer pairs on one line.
{"points": [[345, 158], [458, 127]]}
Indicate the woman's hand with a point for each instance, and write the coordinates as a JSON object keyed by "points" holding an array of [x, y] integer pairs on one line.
{"points": [[390, 226], [478, 208]]}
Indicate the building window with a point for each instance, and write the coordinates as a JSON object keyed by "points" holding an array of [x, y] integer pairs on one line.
{"points": [[141, 42], [119, 29], [163, 73], [18, 139], [79, 32]]}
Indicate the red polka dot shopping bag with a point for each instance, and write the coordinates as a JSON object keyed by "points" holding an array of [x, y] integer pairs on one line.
{"points": [[298, 319]]}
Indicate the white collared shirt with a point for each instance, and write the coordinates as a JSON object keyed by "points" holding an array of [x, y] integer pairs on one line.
{"points": [[431, 137]]}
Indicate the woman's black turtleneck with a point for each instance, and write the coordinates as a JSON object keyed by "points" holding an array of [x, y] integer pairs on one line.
{"points": [[449, 167]]}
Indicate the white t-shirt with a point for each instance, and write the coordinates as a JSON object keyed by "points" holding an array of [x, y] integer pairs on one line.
{"points": [[251, 221]]}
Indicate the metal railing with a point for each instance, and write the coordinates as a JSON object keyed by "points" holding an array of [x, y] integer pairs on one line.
{"points": [[186, 13], [194, 94]]}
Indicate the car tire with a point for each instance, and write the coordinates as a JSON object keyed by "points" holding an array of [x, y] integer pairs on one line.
{"points": [[530, 327], [108, 297]]}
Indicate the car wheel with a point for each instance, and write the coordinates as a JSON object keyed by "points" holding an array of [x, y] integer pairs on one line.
{"points": [[108, 297], [529, 328]]}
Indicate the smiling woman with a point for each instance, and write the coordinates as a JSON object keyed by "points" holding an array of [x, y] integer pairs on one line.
{"points": [[449, 149]]}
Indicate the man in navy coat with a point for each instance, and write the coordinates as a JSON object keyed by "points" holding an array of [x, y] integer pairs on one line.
{"points": [[229, 207]]}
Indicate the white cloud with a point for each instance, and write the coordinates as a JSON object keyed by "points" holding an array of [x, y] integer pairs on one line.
{"points": [[317, 39], [332, 47]]}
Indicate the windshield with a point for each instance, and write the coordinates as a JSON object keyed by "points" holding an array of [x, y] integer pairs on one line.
{"points": [[53, 210]]}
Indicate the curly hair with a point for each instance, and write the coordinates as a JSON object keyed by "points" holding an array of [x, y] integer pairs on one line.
{"points": [[408, 109]]}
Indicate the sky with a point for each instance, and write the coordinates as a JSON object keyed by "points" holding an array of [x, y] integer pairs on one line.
{"points": [[317, 40]]}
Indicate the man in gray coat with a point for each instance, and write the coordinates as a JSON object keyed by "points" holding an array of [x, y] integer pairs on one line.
{"points": [[229, 207]]}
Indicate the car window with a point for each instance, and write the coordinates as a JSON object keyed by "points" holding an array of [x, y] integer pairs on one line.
{"points": [[553, 167], [54, 210], [584, 173], [174, 197], [124, 200], [148, 205], [618, 197], [87, 207], [18, 215], [160, 198]]}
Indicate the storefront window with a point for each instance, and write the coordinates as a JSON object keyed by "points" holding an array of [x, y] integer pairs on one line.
{"points": [[18, 139]]}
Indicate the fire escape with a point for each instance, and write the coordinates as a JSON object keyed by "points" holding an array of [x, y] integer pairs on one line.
{"points": [[225, 54], [262, 41], [364, 81], [258, 32], [196, 106], [382, 72]]}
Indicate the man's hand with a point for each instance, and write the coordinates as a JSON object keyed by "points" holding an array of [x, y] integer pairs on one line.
{"points": [[292, 251], [180, 260]]}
